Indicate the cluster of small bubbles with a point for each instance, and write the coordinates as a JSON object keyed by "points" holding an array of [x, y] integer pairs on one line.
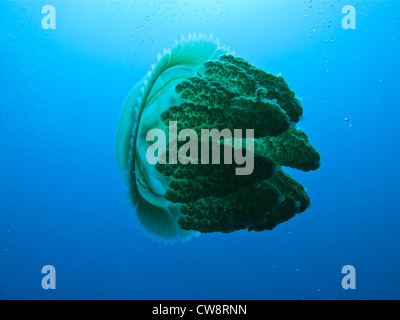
{"points": [[329, 40], [326, 21]]}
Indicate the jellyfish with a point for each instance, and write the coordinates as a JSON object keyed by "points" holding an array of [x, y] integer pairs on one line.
{"points": [[199, 84]]}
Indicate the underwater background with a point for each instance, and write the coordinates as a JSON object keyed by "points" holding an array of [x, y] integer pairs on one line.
{"points": [[62, 199]]}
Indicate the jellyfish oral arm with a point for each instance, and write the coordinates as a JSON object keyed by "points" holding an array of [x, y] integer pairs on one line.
{"points": [[189, 152]]}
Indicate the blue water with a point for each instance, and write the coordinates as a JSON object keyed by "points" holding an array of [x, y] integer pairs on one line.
{"points": [[62, 200]]}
